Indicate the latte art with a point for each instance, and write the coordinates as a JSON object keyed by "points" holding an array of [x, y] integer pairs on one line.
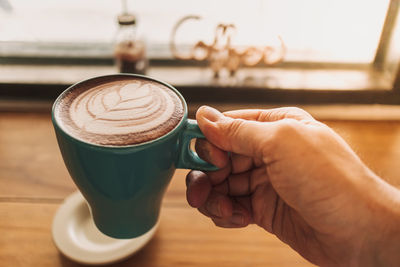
{"points": [[121, 112], [122, 109]]}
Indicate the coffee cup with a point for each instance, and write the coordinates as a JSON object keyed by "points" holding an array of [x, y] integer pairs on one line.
{"points": [[122, 158]]}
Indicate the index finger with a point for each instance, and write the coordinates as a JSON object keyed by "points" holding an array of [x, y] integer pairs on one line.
{"points": [[274, 114], [211, 153]]}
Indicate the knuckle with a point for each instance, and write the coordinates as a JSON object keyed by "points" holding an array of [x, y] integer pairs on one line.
{"points": [[220, 222], [285, 131], [288, 128], [298, 111], [189, 178], [264, 115], [216, 222], [232, 127], [203, 211], [195, 177]]}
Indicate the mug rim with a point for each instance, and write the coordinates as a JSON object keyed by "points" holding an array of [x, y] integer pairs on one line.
{"points": [[116, 147]]}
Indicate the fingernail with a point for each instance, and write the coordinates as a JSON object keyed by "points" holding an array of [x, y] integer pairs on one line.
{"points": [[237, 218], [211, 114]]}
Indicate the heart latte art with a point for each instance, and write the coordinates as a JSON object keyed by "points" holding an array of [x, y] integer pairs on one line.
{"points": [[122, 112]]}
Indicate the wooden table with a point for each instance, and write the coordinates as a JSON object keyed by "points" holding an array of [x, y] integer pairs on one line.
{"points": [[34, 181]]}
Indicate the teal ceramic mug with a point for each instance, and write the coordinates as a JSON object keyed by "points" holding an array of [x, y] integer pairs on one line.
{"points": [[124, 185]]}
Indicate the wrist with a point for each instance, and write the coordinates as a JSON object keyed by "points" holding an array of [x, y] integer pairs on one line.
{"points": [[382, 237]]}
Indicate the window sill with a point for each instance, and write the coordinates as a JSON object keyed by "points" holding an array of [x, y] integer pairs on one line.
{"points": [[250, 85], [277, 78]]}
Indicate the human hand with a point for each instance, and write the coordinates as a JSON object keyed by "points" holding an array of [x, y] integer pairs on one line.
{"points": [[296, 178]]}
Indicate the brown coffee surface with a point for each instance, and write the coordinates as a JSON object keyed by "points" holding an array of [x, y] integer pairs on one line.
{"points": [[118, 110]]}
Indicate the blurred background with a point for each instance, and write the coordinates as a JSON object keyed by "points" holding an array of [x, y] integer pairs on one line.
{"points": [[334, 51]]}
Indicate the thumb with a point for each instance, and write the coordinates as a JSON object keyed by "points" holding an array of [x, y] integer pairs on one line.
{"points": [[245, 137]]}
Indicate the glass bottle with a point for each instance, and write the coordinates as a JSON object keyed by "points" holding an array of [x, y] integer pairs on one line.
{"points": [[129, 50]]}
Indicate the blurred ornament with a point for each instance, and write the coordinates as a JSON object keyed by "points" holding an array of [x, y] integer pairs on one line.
{"points": [[222, 55], [129, 49]]}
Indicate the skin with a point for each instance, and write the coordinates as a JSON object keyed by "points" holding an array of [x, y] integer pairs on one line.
{"points": [[299, 180]]}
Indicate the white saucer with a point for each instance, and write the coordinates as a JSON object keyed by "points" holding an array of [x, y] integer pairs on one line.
{"points": [[76, 236]]}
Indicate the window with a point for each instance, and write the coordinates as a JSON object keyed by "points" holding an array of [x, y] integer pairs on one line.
{"points": [[331, 45], [313, 30]]}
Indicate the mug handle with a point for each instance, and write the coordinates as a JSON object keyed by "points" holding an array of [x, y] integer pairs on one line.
{"points": [[188, 159]]}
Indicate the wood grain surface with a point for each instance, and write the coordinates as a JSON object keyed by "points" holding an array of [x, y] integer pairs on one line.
{"points": [[34, 181]]}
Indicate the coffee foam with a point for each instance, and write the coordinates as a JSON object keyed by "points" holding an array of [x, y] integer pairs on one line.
{"points": [[120, 112]]}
